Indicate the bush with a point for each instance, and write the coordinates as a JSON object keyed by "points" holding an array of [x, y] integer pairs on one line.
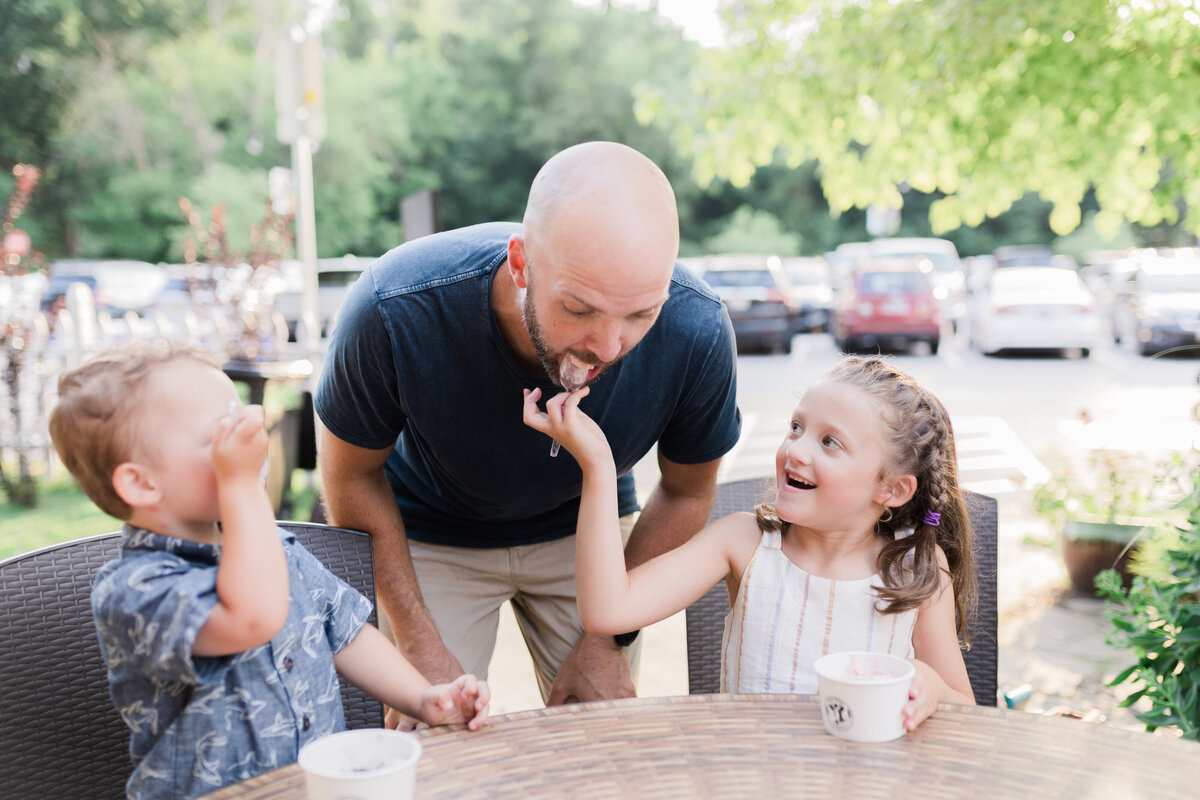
{"points": [[1158, 619]]}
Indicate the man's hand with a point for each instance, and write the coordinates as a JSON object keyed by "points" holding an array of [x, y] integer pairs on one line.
{"points": [[595, 670], [433, 660]]}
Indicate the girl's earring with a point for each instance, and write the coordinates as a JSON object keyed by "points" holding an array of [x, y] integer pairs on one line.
{"points": [[887, 515]]}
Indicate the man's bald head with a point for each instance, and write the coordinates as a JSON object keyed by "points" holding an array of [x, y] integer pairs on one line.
{"points": [[605, 206]]}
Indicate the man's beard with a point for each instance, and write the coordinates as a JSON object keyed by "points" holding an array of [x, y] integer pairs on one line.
{"points": [[552, 362]]}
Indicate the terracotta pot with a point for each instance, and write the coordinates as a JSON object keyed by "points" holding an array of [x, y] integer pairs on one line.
{"points": [[1089, 548]]}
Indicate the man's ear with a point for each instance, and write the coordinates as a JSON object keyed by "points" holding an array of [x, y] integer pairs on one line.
{"points": [[516, 261], [134, 484], [897, 491]]}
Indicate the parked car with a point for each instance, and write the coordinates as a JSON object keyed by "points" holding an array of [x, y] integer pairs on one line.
{"points": [[812, 292], [945, 269], [890, 303], [335, 276], [117, 285], [1035, 308], [756, 294], [1159, 306]]}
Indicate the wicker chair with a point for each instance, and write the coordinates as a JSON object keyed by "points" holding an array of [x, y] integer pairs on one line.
{"points": [[706, 617], [60, 735]]}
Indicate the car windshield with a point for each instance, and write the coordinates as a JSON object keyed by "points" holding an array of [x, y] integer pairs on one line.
{"points": [[884, 282], [942, 262], [807, 276], [1047, 278], [738, 277], [1174, 282]]}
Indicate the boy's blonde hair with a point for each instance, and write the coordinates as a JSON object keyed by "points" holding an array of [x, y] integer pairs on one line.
{"points": [[95, 426]]}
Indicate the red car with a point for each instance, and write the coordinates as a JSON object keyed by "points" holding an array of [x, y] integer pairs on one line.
{"points": [[889, 303]]}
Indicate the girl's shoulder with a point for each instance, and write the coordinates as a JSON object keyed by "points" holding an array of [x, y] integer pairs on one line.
{"points": [[739, 535]]}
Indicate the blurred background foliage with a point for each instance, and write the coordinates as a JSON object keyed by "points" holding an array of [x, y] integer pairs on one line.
{"points": [[129, 105], [1094, 105]]}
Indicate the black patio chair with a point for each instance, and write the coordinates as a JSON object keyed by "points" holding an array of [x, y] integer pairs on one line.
{"points": [[706, 617], [60, 735]]}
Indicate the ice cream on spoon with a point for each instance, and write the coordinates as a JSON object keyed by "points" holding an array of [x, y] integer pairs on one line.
{"points": [[572, 375]]}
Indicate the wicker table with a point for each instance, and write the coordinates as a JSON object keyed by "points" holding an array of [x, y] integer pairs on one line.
{"points": [[775, 745]]}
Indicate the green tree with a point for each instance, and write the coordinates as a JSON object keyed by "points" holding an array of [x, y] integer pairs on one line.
{"points": [[751, 231], [978, 101]]}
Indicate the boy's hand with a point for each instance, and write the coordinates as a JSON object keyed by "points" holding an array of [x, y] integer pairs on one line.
{"points": [[566, 424], [464, 700], [239, 447]]}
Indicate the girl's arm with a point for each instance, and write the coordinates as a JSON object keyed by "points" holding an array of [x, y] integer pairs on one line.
{"points": [[610, 598], [373, 664], [252, 579], [941, 673]]}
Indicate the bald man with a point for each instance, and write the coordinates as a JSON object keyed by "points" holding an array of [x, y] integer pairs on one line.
{"points": [[422, 443]]}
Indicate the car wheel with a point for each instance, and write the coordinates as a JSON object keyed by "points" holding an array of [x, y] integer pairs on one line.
{"points": [[933, 346], [1084, 352]]}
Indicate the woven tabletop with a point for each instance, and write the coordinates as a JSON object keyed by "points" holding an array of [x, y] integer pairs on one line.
{"points": [[773, 745]]}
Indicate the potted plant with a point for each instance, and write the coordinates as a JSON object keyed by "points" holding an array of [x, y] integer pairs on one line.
{"points": [[1103, 508], [1158, 619]]}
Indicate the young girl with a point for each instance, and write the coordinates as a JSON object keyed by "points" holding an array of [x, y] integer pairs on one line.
{"points": [[866, 547]]}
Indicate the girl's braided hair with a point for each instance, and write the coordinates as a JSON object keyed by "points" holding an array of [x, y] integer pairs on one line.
{"points": [[919, 442]]}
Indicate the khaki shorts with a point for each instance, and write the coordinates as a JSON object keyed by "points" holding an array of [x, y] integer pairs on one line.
{"points": [[464, 588]]}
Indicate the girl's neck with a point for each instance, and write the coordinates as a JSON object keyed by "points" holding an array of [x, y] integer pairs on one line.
{"points": [[840, 555]]}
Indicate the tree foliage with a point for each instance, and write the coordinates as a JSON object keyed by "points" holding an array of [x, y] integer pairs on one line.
{"points": [[975, 102]]}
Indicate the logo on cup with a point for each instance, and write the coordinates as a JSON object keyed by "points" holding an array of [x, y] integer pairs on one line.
{"points": [[837, 714]]}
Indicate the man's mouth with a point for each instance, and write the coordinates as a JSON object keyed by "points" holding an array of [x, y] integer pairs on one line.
{"points": [[574, 373]]}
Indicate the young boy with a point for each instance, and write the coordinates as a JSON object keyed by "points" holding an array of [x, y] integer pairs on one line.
{"points": [[223, 636]]}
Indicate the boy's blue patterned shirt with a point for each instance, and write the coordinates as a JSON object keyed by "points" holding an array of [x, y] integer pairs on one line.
{"points": [[199, 723]]}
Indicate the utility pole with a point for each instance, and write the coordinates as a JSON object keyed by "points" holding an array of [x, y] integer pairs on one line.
{"points": [[300, 122]]}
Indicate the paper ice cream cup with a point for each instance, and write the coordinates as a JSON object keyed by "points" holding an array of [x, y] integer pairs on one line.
{"points": [[863, 695], [373, 764]]}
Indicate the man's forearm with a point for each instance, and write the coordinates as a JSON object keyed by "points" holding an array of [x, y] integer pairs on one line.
{"points": [[667, 521], [370, 506]]}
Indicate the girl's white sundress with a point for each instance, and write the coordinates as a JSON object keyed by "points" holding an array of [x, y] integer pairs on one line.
{"points": [[784, 619]]}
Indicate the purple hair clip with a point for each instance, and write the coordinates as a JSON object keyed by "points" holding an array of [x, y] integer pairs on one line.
{"points": [[932, 518]]}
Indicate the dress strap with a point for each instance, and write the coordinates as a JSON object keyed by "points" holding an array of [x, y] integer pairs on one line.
{"points": [[772, 540]]}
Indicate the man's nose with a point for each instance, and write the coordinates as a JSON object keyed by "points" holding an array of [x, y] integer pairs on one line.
{"points": [[605, 341]]}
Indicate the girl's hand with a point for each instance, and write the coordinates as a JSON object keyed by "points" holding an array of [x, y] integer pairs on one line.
{"points": [[922, 695], [239, 447], [464, 700], [566, 424]]}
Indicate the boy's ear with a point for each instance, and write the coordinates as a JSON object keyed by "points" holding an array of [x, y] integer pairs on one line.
{"points": [[133, 483], [897, 491]]}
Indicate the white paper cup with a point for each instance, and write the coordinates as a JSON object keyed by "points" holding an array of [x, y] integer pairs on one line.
{"points": [[374, 764], [863, 695]]}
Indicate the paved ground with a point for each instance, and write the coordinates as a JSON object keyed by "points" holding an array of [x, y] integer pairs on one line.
{"points": [[1049, 639]]}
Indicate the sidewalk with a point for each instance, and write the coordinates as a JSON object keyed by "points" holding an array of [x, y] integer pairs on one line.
{"points": [[1049, 638]]}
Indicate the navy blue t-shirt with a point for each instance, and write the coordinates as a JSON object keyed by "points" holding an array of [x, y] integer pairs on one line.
{"points": [[417, 361]]}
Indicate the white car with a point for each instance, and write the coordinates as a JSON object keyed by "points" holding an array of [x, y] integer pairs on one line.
{"points": [[335, 276], [1035, 308], [1158, 309]]}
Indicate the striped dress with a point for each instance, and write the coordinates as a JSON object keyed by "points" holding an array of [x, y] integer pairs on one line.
{"points": [[784, 619]]}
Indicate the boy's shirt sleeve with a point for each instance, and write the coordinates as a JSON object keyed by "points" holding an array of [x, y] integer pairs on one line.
{"points": [[148, 613], [344, 609]]}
